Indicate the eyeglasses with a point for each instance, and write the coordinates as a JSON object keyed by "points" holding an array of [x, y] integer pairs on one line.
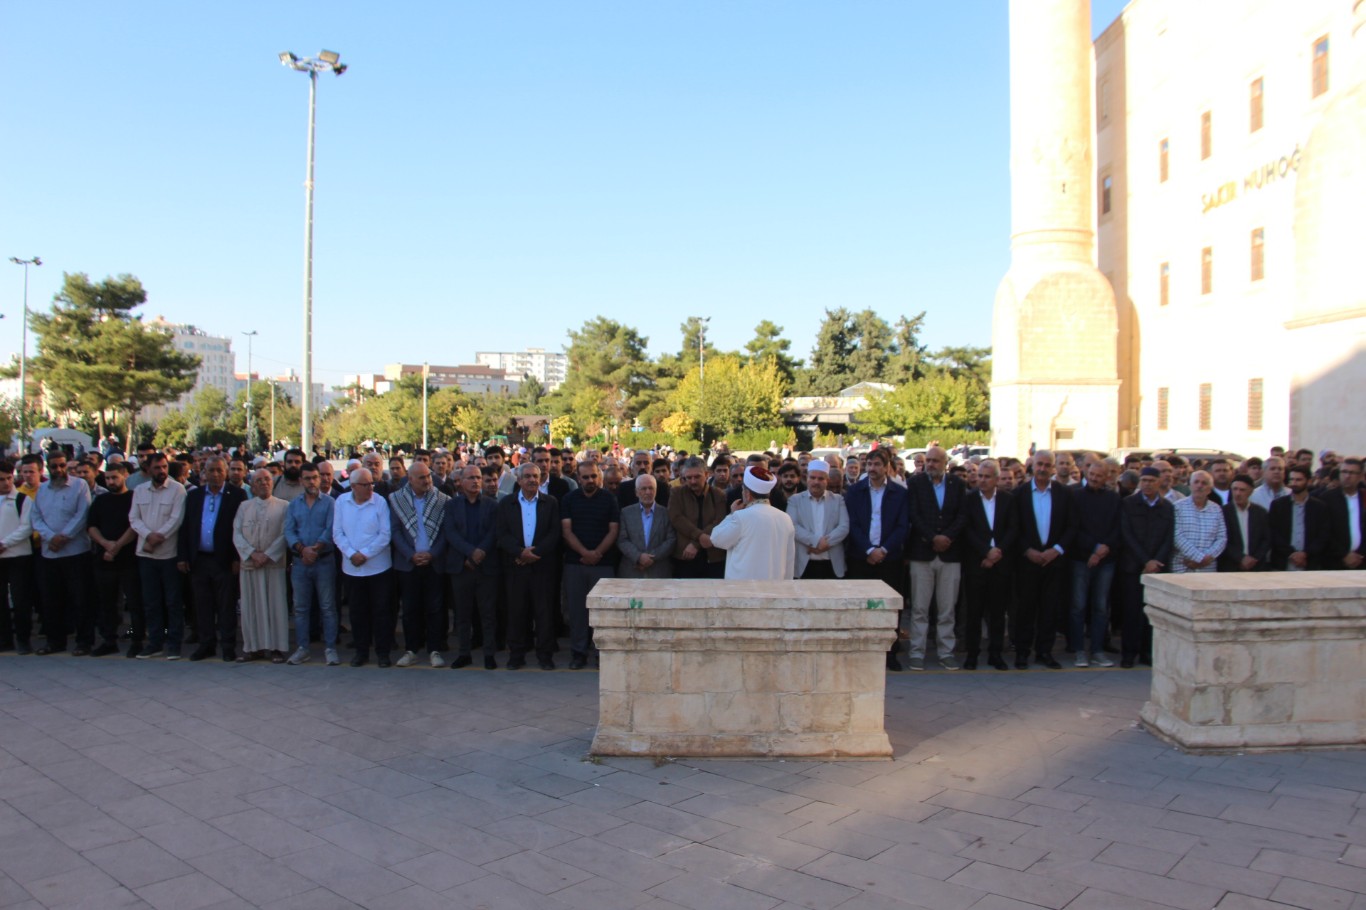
{"points": [[357, 483]]}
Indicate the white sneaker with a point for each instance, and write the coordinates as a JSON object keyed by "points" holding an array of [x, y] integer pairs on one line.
{"points": [[1081, 660], [407, 660], [1100, 660], [332, 659], [437, 660], [300, 656]]}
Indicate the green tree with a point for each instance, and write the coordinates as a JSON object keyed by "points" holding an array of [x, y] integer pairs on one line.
{"points": [[966, 362], [939, 400], [907, 360], [734, 397], [609, 372], [830, 365], [207, 411], [531, 391], [873, 347], [768, 344], [173, 430], [95, 356]]}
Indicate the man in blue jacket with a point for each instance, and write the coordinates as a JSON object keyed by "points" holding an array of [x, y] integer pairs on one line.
{"points": [[879, 522], [471, 563]]}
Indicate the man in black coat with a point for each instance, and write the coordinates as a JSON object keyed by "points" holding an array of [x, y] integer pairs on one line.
{"points": [[1147, 523], [988, 545], [206, 551], [1250, 551], [527, 528], [1043, 513], [1299, 525], [937, 520], [1346, 519], [1091, 564], [471, 564]]}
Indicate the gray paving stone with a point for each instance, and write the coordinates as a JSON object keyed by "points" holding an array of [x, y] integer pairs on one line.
{"points": [[193, 891], [1312, 896]]}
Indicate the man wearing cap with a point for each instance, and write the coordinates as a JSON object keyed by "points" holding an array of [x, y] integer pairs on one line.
{"points": [[1249, 531], [821, 524], [760, 538]]}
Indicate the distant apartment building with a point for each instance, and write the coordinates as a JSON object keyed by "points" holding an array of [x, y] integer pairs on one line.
{"points": [[548, 367], [472, 378], [216, 363]]}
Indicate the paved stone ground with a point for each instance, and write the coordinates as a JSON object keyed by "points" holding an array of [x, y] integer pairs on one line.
{"points": [[171, 785]]}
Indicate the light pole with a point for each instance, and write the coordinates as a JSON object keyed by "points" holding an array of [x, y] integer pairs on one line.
{"points": [[425, 370], [23, 355], [327, 61], [272, 411], [703, 323], [251, 425]]}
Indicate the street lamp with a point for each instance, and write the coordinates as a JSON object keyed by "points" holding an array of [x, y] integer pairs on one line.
{"points": [[251, 424], [23, 356], [703, 323], [327, 61]]}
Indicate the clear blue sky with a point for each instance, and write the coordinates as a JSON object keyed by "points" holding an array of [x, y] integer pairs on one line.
{"points": [[490, 175]]}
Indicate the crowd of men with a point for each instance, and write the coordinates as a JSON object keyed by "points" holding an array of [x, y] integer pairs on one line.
{"points": [[498, 551]]}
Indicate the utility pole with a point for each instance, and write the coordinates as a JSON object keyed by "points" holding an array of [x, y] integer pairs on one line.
{"points": [[23, 357], [251, 423]]}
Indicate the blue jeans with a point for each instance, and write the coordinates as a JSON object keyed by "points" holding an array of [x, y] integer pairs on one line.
{"points": [[1090, 596], [163, 602], [319, 579]]}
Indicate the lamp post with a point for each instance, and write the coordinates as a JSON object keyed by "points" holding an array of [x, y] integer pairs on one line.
{"points": [[426, 368], [703, 323], [273, 437], [327, 61], [23, 355], [251, 425]]}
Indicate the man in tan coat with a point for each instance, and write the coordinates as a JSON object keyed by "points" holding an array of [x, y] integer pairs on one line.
{"points": [[258, 532]]}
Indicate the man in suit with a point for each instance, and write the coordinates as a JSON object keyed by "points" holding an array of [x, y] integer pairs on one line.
{"points": [[1249, 531], [989, 534], [879, 522], [207, 553], [1299, 525], [1043, 512], [1147, 523], [417, 512], [937, 521], [528, 532], [647, 538], [695, 509], [821, 523], [1346, 531], [1091, 563], [471, 564]]}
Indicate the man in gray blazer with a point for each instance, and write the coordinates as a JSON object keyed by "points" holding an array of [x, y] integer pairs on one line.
{"points": [[647, 536], [821, 523]]}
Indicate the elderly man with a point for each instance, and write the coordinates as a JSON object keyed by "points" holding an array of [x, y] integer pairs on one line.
{"points": [[989, 534], [647, 538], [528, 530], [308, 534], [760, 539], [1167, 481], [156, 515], [471, 564], [695, 509], [207, 553], [1146, 520], [820, 524], [361, 528], [1043, 515], [258, 532], [417, 511], [1249, 531], [937, 521], [374, 463], [1200, 534], [1272, 486]]}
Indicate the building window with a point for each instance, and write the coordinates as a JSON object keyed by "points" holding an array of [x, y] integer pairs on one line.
{"points": [[1320, 78], [1206, 404], [1164, 284], [1106, 186], [1205, 138], [1162, 149], [1207, 270], [1258, 254], [1162, 399], [1103, 101], [1255, 103], [1254, 404]]}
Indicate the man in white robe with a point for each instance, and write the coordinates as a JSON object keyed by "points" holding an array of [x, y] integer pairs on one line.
{"points": [[760, 539], [258, 532]]}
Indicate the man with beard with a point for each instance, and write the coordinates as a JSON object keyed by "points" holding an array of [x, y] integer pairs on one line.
{"points": [[207, 554], [528, 531], [471, 564], [157, 512], [761, 540], [361, 530], [695, 510], [936, 522], [419, 547], [776, 498], [1299, 525], [16, 565], [237, 473], [590, 520], [790, 480], [308, 534], [289, 486], [374, 463]]}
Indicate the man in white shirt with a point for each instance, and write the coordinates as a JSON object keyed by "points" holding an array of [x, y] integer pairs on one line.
{"points": [[760, 539], [16, 564], [820, 523], [361, 527], [157, 511], [1273, 485]]}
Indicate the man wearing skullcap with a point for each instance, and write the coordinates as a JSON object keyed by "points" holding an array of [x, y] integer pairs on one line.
{"points": [[760, 538]]}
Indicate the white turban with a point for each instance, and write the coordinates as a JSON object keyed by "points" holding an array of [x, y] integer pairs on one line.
{"points": [[817, 465], [759, 480]]}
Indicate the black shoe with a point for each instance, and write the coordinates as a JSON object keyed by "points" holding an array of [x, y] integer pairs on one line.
{"points": [[577, 661], [1022, 663], [1146, 661], [892, 663], [970, 663], [202, 652], [23, 648], [461, 661], [996, 662], [1048, 661], [134, 649], [358, 660], [105, 649], [80, 651], [547, 663], [516, 661], [490, 663], [229, 655], [192, 639], [1127, 663], [45, 651], [383, 662]]}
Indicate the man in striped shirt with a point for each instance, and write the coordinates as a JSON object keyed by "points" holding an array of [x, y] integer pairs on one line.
{"points": [[1201, 534]]}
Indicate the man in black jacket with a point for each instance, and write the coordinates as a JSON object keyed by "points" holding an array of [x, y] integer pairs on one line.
{"points": [[1249, 531], [1299, 525], [988, 543], [206, 551], [1346, 519], [1043, 513], [937, 519], [527, 527], [1147, 522], [1092, 558]]}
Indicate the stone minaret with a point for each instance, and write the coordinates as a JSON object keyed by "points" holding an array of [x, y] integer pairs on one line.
{"points": [[1055, 378]]}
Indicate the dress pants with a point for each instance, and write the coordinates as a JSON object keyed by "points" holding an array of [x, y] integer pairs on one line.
{"points": [[111, 580], [578, 581], [1039, 593], [891, 571], [372, 618], [424, 612], [475, 593], [698, 567], [987, 594], [161, 598], [214, 592], [1138, 630], [818, 569], [933, 580], [529, 601], [66, 602], [16, 589]]}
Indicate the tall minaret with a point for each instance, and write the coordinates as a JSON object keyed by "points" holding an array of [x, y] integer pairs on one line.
{"points": [[1055, 379]]}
